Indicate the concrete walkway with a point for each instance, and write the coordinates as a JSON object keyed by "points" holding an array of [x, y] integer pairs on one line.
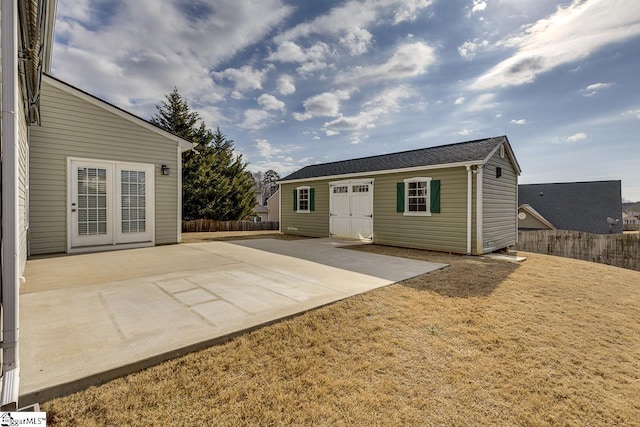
{"points": [[89, 318]]}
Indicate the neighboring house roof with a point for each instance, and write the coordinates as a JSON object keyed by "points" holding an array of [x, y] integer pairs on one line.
{"points": [[471, 152], [258, 208], [631, 207], [580, 206], [534, 213], [92, 99]]}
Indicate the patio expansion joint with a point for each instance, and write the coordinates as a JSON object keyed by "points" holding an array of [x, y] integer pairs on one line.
{"points": [[112, 317]]}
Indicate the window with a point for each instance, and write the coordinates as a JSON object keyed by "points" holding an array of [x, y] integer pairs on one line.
{"points": [[417, 196], [498, 171], [303, 199], [360, 188], [340, 189]]}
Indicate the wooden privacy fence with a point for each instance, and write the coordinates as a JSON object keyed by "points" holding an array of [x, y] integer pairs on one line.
{"points": [[620, 250], [212, 225]]}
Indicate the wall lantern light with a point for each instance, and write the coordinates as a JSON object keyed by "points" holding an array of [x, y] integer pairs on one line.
{"points": [[164, 169]]}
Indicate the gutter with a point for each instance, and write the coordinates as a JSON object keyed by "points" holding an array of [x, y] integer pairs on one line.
{"points": [[10, 216]]}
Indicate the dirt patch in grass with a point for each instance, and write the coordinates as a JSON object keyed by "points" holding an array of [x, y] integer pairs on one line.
{"points": [[551, 341]]}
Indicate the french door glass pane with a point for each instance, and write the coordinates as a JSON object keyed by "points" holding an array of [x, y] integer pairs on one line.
{"points": [[92, 201], [133, 190]]}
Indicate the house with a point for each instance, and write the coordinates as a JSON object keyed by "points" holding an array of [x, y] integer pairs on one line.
{"points": [[260, 210], [629, 220], [457, 198], [78, 174], [273, 204], [593, 207], [632, 209]]}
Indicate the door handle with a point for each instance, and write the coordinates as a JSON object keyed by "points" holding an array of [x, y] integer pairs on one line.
{"points": [[73, 210]]}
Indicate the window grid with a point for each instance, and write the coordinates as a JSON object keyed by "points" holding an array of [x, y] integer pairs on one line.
{"points": [[417, 196], [360, 188], [340, 189], [133, 196], [92, 201], [303, 199]]}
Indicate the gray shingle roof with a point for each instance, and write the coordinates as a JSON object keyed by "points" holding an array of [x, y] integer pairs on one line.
{"points": [[452, 153], [580, 206]]}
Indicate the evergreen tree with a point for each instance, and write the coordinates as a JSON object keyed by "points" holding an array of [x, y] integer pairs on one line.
{"points": [[269, 180], [215, 183]]}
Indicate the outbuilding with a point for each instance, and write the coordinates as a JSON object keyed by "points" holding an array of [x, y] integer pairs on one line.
{"points": [[460, 198]]}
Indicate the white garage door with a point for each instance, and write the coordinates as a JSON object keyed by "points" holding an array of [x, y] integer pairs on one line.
{"points": [[351, 209]]}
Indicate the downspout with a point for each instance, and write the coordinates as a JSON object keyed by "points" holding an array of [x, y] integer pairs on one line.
{"points": [[479, 213], [469, 207], [179, 173], [280, 208], [10, 217]]}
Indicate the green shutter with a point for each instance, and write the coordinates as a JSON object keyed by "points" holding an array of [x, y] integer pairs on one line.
{"points": [[435, 196], [295, 199], [400, 197], [312, 199]]}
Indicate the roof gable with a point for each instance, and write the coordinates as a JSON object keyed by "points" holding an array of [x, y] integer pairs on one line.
{"points": [[72, 90], [580, 206], [470, 152]]}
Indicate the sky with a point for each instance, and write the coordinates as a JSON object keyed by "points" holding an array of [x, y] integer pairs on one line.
{"points": [[294, 83]]}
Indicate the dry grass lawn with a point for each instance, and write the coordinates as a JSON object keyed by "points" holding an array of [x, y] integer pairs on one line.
{"points": [[551, 341]]}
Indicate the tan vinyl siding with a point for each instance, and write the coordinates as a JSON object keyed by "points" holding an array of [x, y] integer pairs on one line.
{"points": [[23, 153], [531, 223], [73, 127], [499, 204], [316, 223], [444, 231]]}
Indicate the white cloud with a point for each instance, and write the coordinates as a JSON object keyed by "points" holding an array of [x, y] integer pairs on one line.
{"points": [[285, 85], [465, 132], [326, 104], [409, 60], [270, 102], [633, 113], [244, 78], [577, 137], [519, 121], [255, 119], [356, 41], [459, 101], [478, 6], [265, 148], [498, 116], [341, 19], [330, 132], [373, 110], [486, 101], [570, 34], [142, 51], [592, 89], [468, 48]]}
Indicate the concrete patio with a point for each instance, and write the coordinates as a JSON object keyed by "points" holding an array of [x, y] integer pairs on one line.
{"points": [[89, 318]]}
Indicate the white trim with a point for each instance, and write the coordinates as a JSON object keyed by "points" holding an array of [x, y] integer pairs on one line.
{"points": [[10, 207], [179, 172], [279, 208], [383, 172], [512, 157], [469, 208], [112, 203], [304, 211], [479, 212], [185, 145], [406, 196]]}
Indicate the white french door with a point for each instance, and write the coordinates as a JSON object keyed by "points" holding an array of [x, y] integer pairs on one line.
{"points": [[111, 203]]}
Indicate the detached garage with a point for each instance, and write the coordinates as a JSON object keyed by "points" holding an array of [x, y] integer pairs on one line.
{"points": [[458, 198]]}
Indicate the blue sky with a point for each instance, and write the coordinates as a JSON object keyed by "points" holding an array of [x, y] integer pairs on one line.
{"points": [[301, 82]]}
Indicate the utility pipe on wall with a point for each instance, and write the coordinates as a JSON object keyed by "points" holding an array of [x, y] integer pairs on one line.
{"points": [[479, 211], [10, 217]]}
